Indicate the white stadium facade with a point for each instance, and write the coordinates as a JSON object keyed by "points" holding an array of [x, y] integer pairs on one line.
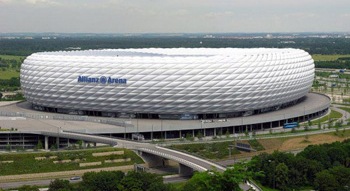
{"points": [[191, 88], [167, 82]]}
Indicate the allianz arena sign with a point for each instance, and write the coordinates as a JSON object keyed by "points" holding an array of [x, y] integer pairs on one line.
{"points": [[102, 80]]}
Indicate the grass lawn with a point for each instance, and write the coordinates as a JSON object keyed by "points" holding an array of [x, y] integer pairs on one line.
{"points": [[345, 108], [8, 74], [332, 115], [216, 150], [321, 57], [177, 185], [25, 163]]}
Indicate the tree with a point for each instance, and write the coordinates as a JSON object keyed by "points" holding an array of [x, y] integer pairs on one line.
{"points": [[199, 135], [80, 144], [28, 188], [293, 130], [342, 175], [227, 134], [202, 181], [325, 181], [281, 176], [318, 153], [142, 181], [189, 137], [254, 133], [213, 180], [319, 125], [102, 181], [60, 185], [309, 123], [39, 145]]}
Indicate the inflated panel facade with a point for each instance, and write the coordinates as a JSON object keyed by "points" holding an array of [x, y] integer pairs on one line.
{"points": [[167, 81]]}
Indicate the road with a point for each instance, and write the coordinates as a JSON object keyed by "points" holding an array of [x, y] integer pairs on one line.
{"points": [[46, 182], [183, 158], [10, 185]]}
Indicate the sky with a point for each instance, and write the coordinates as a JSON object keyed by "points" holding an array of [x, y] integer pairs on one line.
{"points": [[174, 16]]}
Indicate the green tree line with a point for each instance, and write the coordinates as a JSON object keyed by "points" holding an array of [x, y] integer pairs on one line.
{"points": [[323, 167], [25, 47]]}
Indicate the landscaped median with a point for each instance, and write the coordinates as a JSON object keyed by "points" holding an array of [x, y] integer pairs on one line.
{"points": [[62, 163]]}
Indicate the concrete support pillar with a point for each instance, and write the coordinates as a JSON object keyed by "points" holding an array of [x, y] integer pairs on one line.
{"points": [[271, 125], [68, 143], [95, 144], [46, 143], [192, 133], [58, 142], [164, 134], [185, 170], [84, 144], [214, 131], [204, 134], [180, 134]]}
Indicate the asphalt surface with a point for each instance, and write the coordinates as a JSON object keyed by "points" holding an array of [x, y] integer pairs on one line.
{"points": [[9, 185], [183, 158]]}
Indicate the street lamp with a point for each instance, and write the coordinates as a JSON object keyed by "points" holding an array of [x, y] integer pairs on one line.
{"points": [[152, 133], [230, 147], [124, 129]]}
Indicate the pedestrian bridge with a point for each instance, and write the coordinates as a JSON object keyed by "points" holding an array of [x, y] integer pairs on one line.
{"points": [[152, 154]]}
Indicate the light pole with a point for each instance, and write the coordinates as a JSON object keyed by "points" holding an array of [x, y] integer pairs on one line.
{"points": [[58, 139], [124, 130], [152, 133], [137, 121], [230, 150], [161, 128]]}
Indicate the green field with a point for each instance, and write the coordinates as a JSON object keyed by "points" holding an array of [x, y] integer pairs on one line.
{"points": [[8, 74], [218, 150], [332, 115], [12, 70], [321, 57], [11, 57]]}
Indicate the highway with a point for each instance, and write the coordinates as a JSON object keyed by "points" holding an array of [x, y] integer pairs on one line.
{"points": [[46, 182]]}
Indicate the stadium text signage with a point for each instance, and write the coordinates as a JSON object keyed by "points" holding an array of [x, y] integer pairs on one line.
{"points": [[101, 80]]}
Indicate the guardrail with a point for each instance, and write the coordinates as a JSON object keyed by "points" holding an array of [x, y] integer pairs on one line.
{"points": [[253, 185]]}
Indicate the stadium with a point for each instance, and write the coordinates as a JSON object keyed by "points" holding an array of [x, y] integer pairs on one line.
{"points": [[174, 83]]}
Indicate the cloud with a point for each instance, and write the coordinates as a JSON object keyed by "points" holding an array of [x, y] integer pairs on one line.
{"points": [[124, 16]]}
